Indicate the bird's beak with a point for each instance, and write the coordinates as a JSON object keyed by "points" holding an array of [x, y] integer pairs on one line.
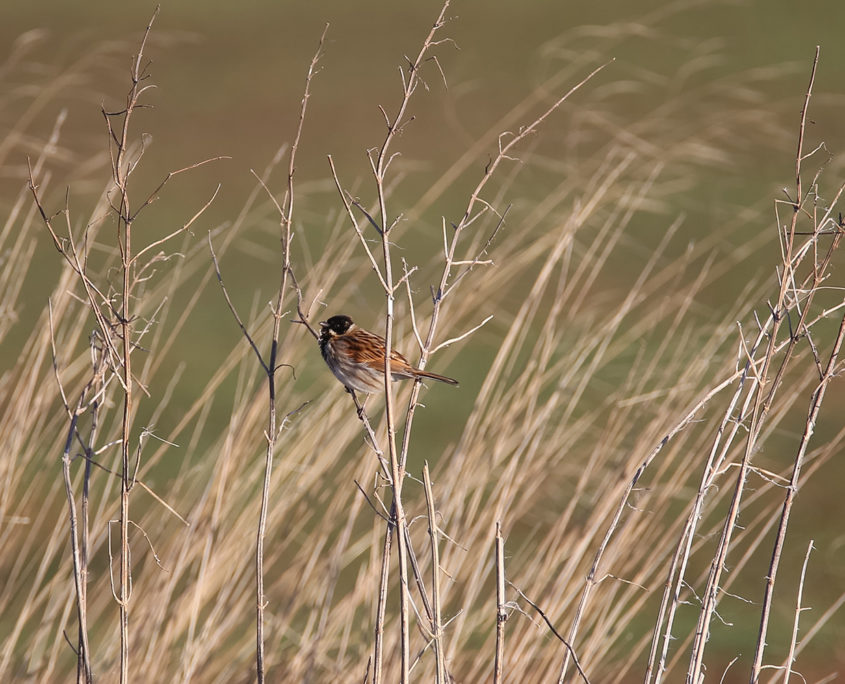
{"points": [[323, 324]]}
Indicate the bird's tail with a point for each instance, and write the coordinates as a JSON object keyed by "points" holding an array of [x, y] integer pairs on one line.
{"points": [[434, 376]]}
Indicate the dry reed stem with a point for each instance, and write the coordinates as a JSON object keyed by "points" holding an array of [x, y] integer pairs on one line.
{"points": [[760, 409], [270, 366], [436, 619], [379, 165], [79, 529], [501, 612], [789, 498], [397, 464], [790, 658], [121, 170], [111, 352]]}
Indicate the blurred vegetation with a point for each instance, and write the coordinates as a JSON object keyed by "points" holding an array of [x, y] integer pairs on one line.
{"points": [[705, 97]]}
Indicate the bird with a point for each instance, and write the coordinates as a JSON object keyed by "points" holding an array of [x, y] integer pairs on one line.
{"points": [[356, 357]]}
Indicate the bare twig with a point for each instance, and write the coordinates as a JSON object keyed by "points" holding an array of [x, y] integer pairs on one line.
{"points": [[233, 310], [78, 539], [569, 649], [436, 623], [184, 227], [121, 171], [462, 336], [762, 404], [348, 206], [791, 490], [798, 610], [379, 166], [286, 220], [591, 581], [155, 194], [501, 612]]}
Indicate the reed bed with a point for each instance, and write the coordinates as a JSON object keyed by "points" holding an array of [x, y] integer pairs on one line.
{"points": [[637, 431]]}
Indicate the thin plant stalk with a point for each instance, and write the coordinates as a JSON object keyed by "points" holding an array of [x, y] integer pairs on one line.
{"points": [[762, 404], [271, 365], [436, 621], [789, 498], [787, 670], [501, 612], [379, 166]]}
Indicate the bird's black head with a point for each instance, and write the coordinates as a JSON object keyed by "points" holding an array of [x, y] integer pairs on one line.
{"points": [[336, 325]]}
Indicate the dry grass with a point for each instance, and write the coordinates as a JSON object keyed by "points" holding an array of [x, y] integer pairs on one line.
{"points": [[616, 416]]}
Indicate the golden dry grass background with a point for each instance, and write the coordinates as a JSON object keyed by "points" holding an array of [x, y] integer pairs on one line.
{"points": [[641, 231]]}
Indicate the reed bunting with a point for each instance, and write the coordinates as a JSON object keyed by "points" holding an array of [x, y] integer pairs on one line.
{"points": [[356, 357]]}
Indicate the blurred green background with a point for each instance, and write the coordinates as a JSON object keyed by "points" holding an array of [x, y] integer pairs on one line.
{"points": [[230, 76]]}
